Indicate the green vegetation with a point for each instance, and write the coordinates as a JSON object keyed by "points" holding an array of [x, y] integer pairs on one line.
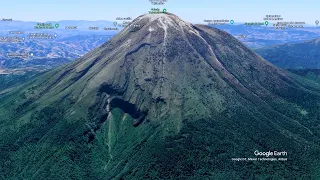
{"points": [[42, 140], [9, 80], [304, 55]]}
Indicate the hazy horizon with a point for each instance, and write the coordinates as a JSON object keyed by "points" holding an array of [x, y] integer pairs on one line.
{"points": [[191, 11]]}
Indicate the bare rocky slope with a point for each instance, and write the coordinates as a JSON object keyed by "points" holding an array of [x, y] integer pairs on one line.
{"points": [[168, 100]]}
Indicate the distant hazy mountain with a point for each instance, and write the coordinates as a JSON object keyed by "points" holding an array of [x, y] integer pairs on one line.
{"points": [[262, 36], [69, 44], [72, 44], [170, 100], [82, 27], [70, 47], [49, 53], [255, 36], [304, 55]]}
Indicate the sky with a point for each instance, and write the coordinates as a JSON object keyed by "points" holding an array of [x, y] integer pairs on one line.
{"points": [[194, 11]]}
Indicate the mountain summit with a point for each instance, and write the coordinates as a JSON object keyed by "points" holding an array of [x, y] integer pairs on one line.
{"points": [[163, 99]]}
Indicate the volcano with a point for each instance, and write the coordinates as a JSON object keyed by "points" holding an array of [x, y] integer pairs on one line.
{"points": [[163, 99]]}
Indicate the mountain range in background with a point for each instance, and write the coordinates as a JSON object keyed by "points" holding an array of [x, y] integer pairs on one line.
{"points": [[72, 44], [305, 55], [170, 100], [262, 36], [82, 27], [47, 54]]}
